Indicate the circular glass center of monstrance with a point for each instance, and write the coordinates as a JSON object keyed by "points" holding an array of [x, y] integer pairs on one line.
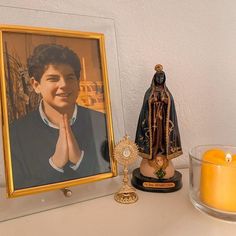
{"points": [[126, 152]]}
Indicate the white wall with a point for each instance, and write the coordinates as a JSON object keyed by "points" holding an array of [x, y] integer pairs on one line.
{"points": [[193, 39]]}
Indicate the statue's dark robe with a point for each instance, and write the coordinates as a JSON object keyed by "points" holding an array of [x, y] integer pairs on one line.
{"points": [[157, 131]]}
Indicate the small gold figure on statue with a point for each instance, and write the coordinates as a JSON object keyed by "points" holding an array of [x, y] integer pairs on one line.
{"points": [[158, 139]]}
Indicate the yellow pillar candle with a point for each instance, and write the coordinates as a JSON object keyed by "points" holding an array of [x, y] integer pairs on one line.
{"points": [[218, 180]]}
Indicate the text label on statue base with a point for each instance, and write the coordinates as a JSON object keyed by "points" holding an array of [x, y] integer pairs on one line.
{"points": [[156, 185]]}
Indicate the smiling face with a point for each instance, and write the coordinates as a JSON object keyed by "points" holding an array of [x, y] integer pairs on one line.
{"points": [[59, 88]]}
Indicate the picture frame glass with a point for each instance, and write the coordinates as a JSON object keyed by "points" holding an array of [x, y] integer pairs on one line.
{"points": [[86, 190]]}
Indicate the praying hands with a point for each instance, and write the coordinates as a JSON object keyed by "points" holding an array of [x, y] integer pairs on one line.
{"points": [[67, 148]]}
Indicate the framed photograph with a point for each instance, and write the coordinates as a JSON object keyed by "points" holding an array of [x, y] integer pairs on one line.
{"points": [[57, 125]]}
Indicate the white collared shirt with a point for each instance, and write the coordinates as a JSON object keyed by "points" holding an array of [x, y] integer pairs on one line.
{"points": [[50, 124]]}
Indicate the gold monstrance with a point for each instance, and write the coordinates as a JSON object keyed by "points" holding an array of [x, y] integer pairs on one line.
{"points": [[126, 152]]}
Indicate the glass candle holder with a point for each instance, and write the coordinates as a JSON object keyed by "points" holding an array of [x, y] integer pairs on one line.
{"points": [[213, 180]]}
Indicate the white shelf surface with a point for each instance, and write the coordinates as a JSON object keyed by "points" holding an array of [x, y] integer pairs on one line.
{"points": [[162, 214]]}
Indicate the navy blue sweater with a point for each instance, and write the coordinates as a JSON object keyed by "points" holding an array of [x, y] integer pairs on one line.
{"points": [[33, 143]]}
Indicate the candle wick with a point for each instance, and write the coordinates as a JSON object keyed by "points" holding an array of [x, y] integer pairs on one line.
{"points": [[228, 157]]}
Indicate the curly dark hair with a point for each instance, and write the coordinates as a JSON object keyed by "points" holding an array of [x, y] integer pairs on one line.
{"points": [[45, 54]]}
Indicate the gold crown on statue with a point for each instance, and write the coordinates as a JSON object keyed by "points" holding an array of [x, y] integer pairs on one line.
{"points": [[158, 68]]}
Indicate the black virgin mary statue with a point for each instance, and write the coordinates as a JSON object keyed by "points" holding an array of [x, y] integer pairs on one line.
{"points": [[158, 139]]}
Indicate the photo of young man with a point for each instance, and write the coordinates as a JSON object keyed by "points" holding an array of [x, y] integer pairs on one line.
{"points": [[60, 140]]}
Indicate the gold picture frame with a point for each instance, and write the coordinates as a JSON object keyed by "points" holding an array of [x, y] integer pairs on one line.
{"points": [[32, 152]]}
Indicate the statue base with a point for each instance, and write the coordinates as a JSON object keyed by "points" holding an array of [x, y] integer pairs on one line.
{"points": [[156, 185]]}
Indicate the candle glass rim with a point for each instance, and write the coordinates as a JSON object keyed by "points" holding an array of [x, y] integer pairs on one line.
{"points": [[191, 155]]}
